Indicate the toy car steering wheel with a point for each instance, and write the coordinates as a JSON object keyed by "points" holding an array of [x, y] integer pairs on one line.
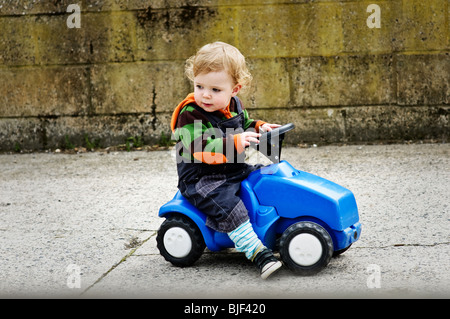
{"points": [[270, 142], [277, 132]]}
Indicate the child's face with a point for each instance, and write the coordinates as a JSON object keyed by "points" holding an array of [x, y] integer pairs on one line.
{"points": [[213, 90]]}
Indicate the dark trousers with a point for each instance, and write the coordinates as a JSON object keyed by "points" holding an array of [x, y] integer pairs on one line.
{"points": [[217, 196]]}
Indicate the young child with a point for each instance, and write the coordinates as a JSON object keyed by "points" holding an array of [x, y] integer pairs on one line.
{"points": [[212, 130]]}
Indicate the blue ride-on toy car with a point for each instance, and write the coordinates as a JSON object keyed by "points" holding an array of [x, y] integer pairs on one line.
{"points": [[308, 219]]}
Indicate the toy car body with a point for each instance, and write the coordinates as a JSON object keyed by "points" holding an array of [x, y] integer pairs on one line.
{"points": [[307, 218]]}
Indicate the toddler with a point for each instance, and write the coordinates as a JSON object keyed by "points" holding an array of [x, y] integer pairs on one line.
{"points": [[212, 130]]}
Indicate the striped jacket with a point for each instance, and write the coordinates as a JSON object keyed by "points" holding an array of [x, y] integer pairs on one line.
{"points": [[198, 139]]}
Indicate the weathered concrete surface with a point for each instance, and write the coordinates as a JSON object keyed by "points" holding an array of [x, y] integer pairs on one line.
{"points": [[98, 212], [121, 73]]}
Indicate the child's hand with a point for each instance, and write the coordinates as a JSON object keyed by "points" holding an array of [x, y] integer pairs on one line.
{"points": [[267, 127], [247, 137]]}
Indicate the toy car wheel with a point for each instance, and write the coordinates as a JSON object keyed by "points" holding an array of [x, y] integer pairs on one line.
{"points": [[306, 248], [180, 241], [339, 252]]}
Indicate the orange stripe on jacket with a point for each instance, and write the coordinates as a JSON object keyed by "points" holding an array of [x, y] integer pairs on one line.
{"points": [[188, 100], [210, 157]]}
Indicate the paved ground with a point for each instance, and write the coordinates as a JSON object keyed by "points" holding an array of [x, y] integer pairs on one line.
{"points": [[84, 226]]}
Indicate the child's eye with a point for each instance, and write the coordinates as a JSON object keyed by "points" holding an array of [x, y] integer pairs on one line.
{"points": [[199, 86], [216, 90]]}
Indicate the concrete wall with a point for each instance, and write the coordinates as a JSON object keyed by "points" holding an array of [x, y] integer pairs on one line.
{"points": [[315, 63]]}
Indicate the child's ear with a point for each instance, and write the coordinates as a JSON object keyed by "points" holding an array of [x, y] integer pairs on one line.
{"points": [[236, 89]]}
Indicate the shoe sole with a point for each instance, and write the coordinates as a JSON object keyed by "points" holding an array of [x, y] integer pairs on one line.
{"points": [[271, 269]]}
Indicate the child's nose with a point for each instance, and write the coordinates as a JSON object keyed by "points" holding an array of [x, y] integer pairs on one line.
{"points": [[207, 94]]}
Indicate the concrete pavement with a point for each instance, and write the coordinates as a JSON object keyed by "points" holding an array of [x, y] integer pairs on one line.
{"points": [[84, 226]]}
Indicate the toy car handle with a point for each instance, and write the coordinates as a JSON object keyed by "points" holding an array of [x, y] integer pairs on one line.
{"points": [[279, 131], [270, 142]]}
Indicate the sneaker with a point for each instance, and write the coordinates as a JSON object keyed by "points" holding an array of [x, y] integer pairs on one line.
{"points": [[267, 262]]}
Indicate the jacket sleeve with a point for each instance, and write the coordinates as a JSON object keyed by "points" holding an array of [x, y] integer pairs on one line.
{"points": [[250, 123], [200, 140]]}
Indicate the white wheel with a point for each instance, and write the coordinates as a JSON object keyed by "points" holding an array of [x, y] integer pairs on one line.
{"points": [[177, 242], [305, 249], [180, 241]]}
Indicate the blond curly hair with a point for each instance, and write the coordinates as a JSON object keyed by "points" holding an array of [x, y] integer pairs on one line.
{"points": [[219, 56]]}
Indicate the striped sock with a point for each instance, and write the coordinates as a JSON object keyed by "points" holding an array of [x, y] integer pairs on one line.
{"points": [[246, 240]]}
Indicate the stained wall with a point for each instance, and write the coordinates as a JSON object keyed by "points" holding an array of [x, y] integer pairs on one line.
{"points": [[317, 64]]}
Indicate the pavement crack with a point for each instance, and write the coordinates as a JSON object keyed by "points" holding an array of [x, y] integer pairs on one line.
{"points": [[131, 253], [404, 245], [421, 245]]}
